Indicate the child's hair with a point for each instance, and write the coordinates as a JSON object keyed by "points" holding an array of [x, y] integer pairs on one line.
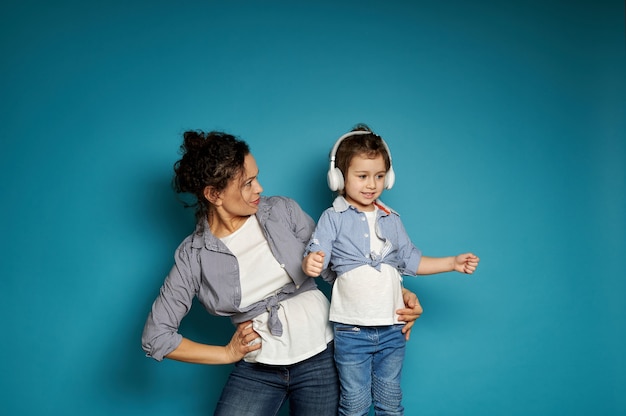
{"points": [[208, 159], [369, 145]]}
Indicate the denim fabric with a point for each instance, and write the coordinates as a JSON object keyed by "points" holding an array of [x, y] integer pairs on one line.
{"points": [[311, 386], [343, 232], [369, 362]]}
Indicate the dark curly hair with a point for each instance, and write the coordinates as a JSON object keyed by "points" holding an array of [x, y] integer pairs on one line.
{"points": [[370, 145], [208, 159]]}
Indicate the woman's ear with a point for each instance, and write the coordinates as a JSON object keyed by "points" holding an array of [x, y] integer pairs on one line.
{"points": [[213, 195]]}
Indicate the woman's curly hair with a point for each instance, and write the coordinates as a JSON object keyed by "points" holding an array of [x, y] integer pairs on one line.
{"points": [[208, 159]]}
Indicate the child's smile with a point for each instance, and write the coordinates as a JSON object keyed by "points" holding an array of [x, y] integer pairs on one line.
{"points": [[364, 181]]}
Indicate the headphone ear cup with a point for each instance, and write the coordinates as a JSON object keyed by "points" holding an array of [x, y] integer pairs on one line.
{"points": [[335, 179], [390, 178]]}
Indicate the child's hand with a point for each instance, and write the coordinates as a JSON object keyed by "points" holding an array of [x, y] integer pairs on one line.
{"points": [[313, 263], [466, 263]]}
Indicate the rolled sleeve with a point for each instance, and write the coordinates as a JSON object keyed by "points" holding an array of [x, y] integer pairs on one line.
{"points": [[409, 255], [412, 262], [158, 344], [160, 334], [323, 237]]}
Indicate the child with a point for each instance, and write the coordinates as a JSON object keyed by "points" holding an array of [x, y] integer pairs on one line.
{"points": [[365, 243]]}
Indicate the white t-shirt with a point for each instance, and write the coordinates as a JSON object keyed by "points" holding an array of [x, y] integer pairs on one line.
{"points": [[306, 329], [365, 296]]}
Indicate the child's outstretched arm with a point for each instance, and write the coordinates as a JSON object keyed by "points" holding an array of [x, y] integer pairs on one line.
{"points": [[313, 263], [463, 263]]}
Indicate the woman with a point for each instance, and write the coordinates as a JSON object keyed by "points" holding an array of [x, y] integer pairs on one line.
{"points": [[244, 261]]}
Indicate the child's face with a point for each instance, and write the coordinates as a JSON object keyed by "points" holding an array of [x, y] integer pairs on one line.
{"points": [[364, 181]]}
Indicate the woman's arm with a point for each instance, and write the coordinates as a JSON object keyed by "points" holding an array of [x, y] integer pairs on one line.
{"points": [[409, 314], [240, 344]]}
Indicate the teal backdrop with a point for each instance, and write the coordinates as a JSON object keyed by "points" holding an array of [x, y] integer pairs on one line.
{"points": [[506, 123]]}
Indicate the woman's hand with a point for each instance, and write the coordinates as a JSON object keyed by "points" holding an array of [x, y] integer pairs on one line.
{"points": [[239, 345], [242, 342], [409, 314]]}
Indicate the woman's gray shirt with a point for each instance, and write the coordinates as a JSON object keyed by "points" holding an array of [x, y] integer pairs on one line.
{"points": [[206, 269]]}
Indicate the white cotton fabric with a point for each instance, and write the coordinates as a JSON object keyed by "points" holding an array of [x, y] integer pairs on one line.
{"points": [[365, 296], [306, 328]]}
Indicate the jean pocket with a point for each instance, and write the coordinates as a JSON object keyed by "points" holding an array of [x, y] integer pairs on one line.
{"points": [[346, 328]]}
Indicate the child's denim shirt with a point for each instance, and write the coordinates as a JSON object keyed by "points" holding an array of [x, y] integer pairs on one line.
{"points": [[342, 233]]}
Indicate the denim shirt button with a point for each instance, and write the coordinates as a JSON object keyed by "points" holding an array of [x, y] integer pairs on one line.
{"points": [[365, 235], [282, 265]]}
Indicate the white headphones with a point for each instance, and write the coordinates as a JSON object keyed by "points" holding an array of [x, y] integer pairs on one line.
{"points": [[335, 177]]}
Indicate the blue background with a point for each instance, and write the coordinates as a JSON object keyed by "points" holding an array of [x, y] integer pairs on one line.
{"points": [[506, 124]]}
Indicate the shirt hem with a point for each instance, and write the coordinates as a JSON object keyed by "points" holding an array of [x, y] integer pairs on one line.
{"points": [[293, 360]]}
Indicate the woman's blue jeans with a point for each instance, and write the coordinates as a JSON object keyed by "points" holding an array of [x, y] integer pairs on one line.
{"points": [[369, 361], [311, 386]]}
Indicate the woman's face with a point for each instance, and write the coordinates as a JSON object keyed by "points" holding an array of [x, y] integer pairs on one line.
{"points": [[243, 193]]}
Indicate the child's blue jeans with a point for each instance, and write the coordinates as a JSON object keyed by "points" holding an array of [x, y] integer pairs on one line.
{"points": [[369, 361]]}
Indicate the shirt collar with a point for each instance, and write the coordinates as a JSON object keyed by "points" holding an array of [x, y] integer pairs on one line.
{"points": [[340, 204], [203, 237]]}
